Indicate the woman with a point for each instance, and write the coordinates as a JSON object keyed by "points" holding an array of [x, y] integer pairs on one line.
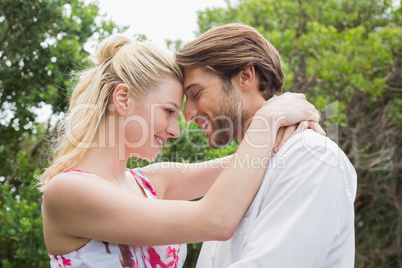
{"points": [[98, 214]]}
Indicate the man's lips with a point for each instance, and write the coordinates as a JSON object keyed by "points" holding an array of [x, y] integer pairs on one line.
{"points": [[202, 120], [204, 124]]}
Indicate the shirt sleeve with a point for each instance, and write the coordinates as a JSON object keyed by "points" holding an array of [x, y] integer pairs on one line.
{"points": [[304, 212]]}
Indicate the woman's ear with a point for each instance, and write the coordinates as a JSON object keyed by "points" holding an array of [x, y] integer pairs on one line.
{"points": [[246, 78], [120, 98]]}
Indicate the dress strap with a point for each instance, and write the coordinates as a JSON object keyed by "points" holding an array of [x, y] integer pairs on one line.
{"points": [[144, 182], [77, 171], [140, 177]]}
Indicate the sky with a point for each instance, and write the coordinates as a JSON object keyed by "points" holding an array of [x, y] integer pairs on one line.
{"points": [[158, 19]]}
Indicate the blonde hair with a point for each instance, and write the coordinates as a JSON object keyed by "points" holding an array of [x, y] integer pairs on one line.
{"points": [[118, 60]]}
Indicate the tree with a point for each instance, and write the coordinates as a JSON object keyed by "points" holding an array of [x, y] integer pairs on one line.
{"points": [[346, 57], [42, 43]]}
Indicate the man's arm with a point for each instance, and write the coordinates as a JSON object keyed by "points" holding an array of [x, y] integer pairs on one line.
{"points": [[306, 217]]}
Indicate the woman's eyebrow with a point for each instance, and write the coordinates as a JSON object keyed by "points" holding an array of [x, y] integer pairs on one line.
{"points": [[175, 105]]}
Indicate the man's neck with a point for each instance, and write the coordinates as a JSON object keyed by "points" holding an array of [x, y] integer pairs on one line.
{"points": [[251, 106]]}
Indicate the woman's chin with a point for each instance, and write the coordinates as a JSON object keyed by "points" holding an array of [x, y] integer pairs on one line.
{"points": [[148, 158]]}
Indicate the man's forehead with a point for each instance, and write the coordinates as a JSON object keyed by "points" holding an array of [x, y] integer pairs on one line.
{"points": [[198, 77]]}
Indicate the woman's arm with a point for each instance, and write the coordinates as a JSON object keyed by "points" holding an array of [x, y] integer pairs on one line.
{"points": [[188, 181], [184, 181], [87, 207]]}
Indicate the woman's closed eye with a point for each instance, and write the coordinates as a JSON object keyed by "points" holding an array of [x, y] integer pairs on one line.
{"points": [[170, 112]]}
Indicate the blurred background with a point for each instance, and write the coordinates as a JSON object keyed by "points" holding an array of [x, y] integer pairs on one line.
{"points": [[344, 55]]}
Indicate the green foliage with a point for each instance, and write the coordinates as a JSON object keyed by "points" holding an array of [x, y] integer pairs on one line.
{"points": [[174, 45], [21, 228]]}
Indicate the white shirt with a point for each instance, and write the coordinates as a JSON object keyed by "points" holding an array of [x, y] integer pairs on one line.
{"points": [[302, 216]]}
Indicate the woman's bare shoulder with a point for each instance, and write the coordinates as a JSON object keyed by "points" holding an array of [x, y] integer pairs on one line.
{"points": [[68, 183], [66, 189]]}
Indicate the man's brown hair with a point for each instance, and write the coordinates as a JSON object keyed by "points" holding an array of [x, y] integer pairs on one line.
{"points": [[227, 49]]}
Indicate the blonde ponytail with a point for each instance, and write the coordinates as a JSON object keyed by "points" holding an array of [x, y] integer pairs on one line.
{"points": [[117, 60]]}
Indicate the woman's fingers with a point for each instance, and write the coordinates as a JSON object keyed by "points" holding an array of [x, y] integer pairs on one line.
{"points": [[314, 116], [284, 134], [278, 139], [303, 125], [317, 128], [289, 132]]}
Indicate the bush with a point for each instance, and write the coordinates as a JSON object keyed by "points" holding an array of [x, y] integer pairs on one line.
{"points": [[21, 236]]}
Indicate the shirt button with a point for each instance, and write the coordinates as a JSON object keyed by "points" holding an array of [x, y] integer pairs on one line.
{"points": [[212, 257]]}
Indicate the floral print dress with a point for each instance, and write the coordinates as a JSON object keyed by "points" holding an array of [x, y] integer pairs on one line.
{"points": [[100, 254]]}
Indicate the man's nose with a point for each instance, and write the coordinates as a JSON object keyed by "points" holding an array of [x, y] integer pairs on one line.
{"points": [[190, 110]]}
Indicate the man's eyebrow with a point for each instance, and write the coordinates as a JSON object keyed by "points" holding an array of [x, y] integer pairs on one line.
{"points": [[190, 86]]}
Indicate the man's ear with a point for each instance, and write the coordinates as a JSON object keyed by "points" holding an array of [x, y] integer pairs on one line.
{"points": [[120, 98], [246, 78]]}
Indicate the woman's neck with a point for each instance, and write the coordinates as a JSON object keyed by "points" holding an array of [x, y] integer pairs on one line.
{"points": [[107, 158], [104, 163]]}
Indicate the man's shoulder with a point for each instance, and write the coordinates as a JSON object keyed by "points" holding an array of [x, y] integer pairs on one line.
{"points": [[311, 153], [311, 145], [309, 150]]}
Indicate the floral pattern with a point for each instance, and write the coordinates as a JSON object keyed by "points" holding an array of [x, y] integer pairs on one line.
{"points": [[104, 254]]}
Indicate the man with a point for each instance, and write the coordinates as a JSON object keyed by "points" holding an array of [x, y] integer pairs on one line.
{"points": [[303, 214]]}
